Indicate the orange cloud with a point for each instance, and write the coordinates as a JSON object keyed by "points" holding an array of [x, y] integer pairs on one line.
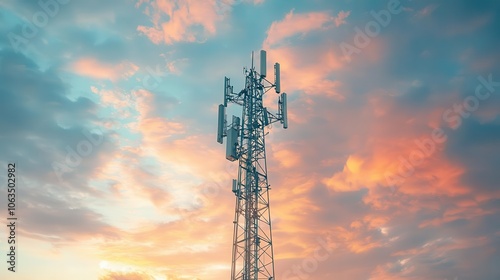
{"points": [[308, 70], [169, 142], [304, 66], [287, 157], [182, 248], [91, 67], [114, 98]]}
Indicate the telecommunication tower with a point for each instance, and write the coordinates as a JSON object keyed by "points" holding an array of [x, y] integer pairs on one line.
{"points": [[252, 255]]}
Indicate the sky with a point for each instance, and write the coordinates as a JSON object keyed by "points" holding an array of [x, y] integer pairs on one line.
{"points": [[389, 168]]}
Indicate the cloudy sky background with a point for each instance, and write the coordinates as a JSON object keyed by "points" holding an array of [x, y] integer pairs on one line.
{"points": [[389, 166]]}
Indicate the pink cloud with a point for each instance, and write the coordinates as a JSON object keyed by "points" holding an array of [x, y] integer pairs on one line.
{"points": [[341, 16], [93, 68], [155, 35], [308, 70], [114, 98], [306, 67], [301, 24], [184, 18]]}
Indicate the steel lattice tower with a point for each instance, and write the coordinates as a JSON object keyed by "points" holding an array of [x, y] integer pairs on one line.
{"points": [[252, 256]]}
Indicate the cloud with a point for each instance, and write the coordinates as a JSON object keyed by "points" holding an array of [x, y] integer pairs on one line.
{"points": [[48, 126], [305, 66], [183, 21], [92, 68], [341, 16], [301, 24], [47, 120]]}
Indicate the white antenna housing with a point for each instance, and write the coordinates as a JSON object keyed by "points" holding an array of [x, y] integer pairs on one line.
{"points": [[263, 66], [232, 140], [221, 123], [283, 109], [235, 186], [226, 88], [277, 77]]}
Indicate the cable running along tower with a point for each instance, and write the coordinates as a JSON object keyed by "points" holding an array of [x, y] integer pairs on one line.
{"points": [[252, 256]]}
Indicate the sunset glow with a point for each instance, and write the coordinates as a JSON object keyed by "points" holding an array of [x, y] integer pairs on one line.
{"points": [[389, 169]]}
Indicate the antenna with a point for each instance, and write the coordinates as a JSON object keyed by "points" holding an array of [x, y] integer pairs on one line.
{"points": [[252, 61], [221, 123], [232, 140], [235, 186], [284, 112], [277, 77], [227, 85], [263, 63]]}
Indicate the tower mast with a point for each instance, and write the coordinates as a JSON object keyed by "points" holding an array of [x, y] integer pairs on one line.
{"points": [[252, 255]]}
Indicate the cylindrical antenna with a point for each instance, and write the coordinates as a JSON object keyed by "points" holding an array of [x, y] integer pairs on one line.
{"points": [[252, 61], [277, 77], [263, 63], [221, 126], [284, 110]]}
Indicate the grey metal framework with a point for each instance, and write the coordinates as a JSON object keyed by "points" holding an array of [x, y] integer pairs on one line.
{"points": [[252, 256]]}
